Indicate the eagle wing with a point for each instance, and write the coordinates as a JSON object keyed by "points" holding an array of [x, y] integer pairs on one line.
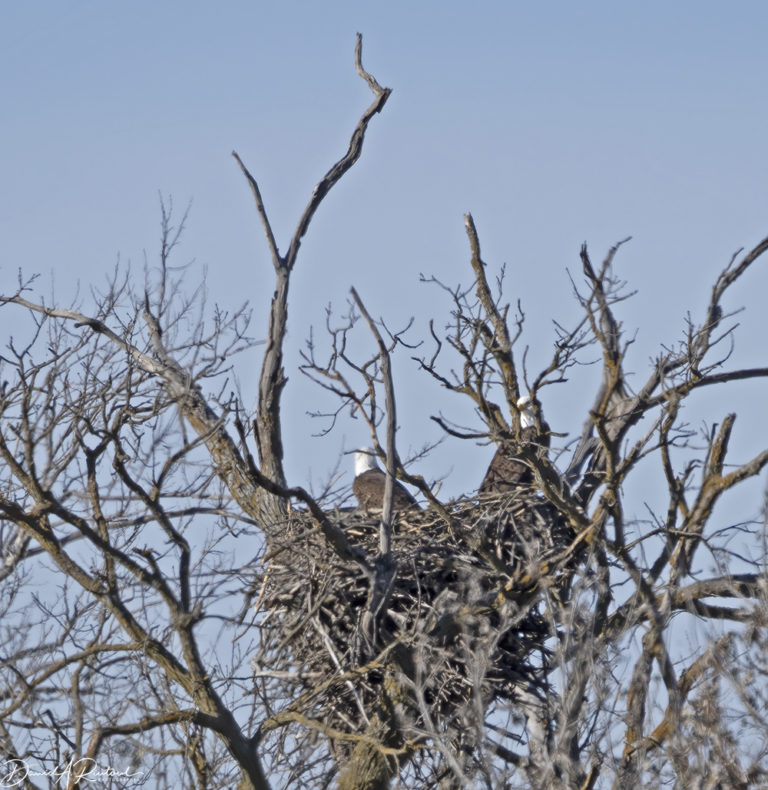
{"points": [[507, 471], [368, 488]]}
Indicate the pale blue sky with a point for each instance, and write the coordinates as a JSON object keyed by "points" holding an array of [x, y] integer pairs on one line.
{"points": [[553, 123]]}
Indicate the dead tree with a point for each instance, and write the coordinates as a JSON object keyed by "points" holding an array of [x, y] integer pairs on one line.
{"points": [[176, 611]]}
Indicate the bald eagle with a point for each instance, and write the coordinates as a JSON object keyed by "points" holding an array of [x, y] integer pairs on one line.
{"points": [[368, 485], [507, 472]]}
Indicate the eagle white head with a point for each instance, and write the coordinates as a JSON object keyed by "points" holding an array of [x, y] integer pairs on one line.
{"points": [[365, 460], [527, 417]]}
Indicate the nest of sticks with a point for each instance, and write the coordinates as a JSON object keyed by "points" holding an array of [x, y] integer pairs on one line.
{"points": [[469, 611]]}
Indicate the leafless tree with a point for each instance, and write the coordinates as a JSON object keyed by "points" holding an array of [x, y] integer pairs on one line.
{"points": [[177, 613]]}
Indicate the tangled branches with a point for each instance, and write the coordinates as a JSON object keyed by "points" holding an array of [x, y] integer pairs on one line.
{"points": [[463, 621]]}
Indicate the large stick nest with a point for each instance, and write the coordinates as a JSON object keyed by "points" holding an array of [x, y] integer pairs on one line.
{"points": [[459, 621]]}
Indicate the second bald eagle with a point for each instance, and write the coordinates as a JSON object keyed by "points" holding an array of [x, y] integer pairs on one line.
{"points": [[507, 471]]}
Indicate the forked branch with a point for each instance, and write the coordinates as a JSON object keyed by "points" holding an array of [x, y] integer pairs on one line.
{"points": [[272, 380]]}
